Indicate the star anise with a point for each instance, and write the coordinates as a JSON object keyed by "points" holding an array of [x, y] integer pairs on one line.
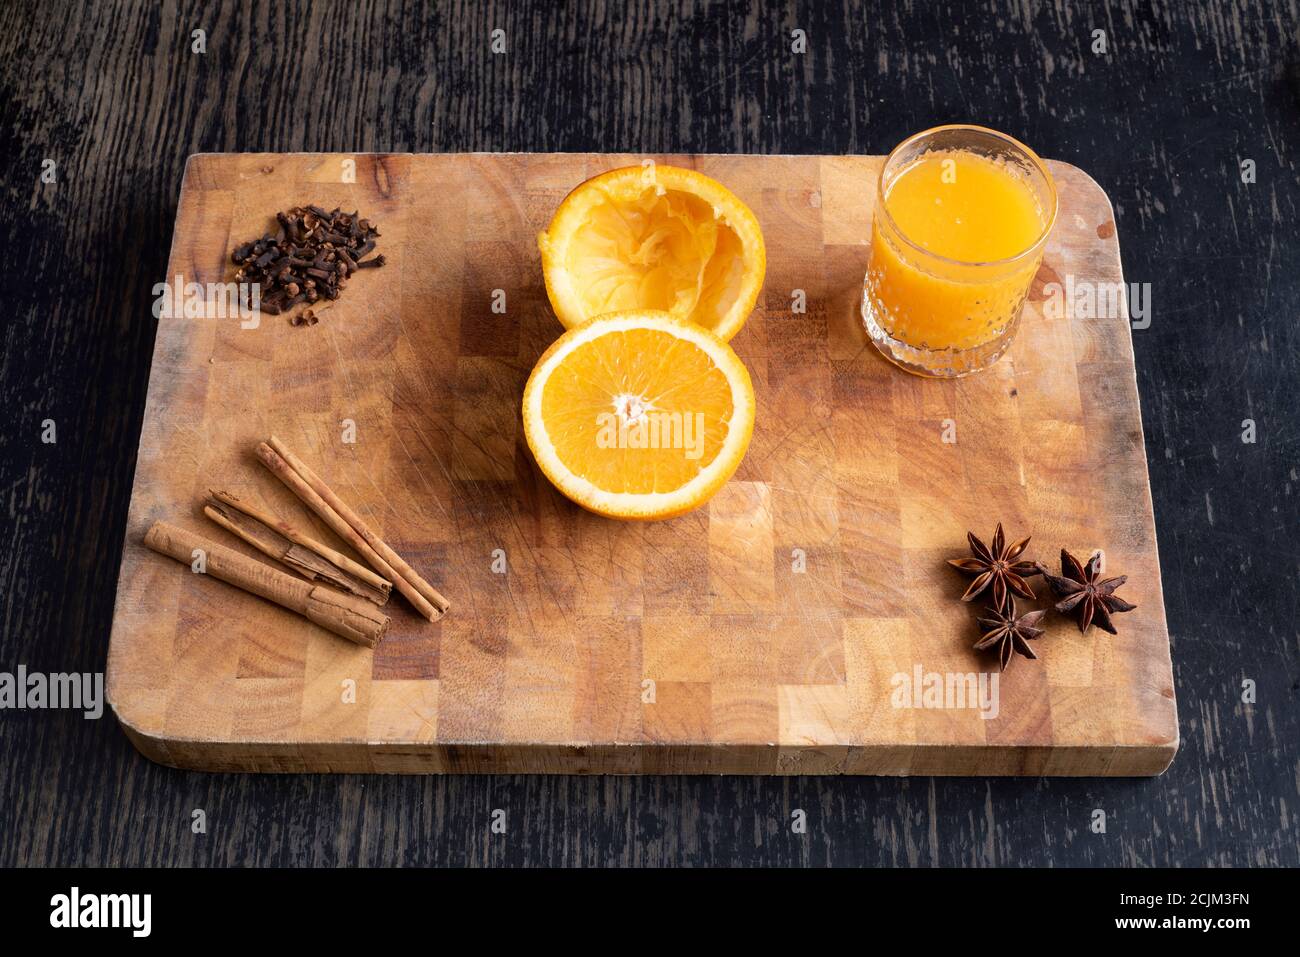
{"points": [[1009, 633], [996, 566], [1080, 592]]}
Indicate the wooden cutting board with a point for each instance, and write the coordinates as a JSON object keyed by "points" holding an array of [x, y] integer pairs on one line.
{"points": [[768, 632]]}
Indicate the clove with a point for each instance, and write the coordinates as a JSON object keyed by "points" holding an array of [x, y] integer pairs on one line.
{"points": [[309, 259]]}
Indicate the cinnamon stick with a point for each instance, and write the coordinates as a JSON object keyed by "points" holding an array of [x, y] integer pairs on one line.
{"points": [[345, 615], [286, 544], [298, 484], [431, 594]]}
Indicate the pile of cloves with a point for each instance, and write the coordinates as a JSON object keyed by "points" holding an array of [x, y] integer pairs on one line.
{"points": [[309, 258]]}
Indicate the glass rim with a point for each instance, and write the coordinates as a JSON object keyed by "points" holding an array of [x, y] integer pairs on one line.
{"points": [[1006, 138]]}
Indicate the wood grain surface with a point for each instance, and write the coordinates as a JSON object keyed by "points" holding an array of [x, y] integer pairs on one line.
{"points": [[763, 633], [113, 95]]}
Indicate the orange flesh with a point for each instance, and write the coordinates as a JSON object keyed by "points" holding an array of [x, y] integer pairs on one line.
{"points": [[652, 250], [628, 375]]}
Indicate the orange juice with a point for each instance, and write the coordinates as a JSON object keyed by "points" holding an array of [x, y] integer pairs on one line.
{"points": [[965, 207], [957, 238]]}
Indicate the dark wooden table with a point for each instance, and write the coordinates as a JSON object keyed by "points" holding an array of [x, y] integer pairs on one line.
{"points": [[114, 94]]}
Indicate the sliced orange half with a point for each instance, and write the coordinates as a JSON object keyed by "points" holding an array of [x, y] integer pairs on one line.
{"points": [[654, 237], [639, 414]]}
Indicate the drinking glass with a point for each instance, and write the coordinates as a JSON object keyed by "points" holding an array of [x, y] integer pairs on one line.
{"points": [[961, 219]]}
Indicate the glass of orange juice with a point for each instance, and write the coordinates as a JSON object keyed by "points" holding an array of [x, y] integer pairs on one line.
{"points": [[962, 215]]}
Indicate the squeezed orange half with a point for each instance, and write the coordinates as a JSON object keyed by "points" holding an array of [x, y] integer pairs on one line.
{"points": [[654, 237]]}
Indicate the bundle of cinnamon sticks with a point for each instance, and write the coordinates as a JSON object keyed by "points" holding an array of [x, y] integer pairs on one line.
{"points": [[338, 593]]}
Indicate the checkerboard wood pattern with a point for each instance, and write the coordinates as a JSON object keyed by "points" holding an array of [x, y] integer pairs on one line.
{"points": [[763, 633]]}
